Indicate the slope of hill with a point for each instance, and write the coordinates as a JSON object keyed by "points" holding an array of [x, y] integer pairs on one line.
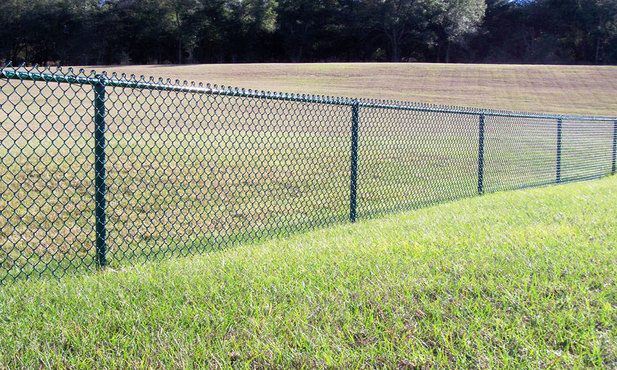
{"points": [[522, 279], [585, 90]]}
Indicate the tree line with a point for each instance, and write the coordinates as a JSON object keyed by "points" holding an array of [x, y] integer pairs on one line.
{"points": [[205, 31]]}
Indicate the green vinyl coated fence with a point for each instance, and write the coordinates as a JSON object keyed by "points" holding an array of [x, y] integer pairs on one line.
{"points": [[105, 169]]}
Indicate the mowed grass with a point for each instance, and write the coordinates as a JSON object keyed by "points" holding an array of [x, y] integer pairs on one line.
{"points": [[581, 90], [512, 279]]}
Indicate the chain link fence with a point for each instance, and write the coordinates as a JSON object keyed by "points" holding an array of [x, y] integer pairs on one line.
{"points": [[100, 169]]}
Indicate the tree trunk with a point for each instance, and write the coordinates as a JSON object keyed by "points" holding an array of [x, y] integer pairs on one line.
{"points": [[179, 50], [396, 52], [396, 44], [179, 26]]}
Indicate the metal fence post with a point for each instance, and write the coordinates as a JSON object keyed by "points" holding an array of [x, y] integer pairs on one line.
{"points": [[353, 186], [614, 147], [481, 157], [99, 172], [559, 127]]}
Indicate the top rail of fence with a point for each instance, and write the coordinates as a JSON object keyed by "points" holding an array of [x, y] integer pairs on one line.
{"points": [[46, 74]]}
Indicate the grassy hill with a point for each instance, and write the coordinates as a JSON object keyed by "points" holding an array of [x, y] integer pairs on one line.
{"points": [[513, 279], [585, 90]]}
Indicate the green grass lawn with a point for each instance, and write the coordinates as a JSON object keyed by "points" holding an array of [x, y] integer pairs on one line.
{"points": [[513, 279]]}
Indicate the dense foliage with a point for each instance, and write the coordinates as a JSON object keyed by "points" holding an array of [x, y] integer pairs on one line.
{"points": [[190, 31]]}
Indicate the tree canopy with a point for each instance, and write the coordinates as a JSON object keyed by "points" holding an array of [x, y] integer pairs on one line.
{"points": [[203, 31]]}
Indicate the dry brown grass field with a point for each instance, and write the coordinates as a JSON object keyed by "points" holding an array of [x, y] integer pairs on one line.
{"points": [[582, 90]]}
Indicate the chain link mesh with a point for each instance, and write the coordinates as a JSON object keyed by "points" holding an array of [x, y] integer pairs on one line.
{"points": [[186, 168]]}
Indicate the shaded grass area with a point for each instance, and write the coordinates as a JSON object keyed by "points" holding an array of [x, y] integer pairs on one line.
{"points": [[515, 279]]}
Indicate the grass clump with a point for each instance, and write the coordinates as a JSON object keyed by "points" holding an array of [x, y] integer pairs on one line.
{"points": [[516, 279]]}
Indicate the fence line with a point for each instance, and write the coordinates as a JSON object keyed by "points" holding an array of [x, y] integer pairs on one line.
{"points": [[481, 156], [177, 169]]}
